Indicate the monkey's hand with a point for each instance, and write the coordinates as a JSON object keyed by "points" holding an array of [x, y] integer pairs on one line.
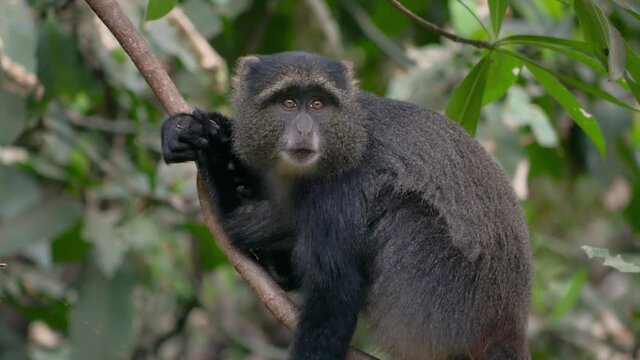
{"points": [[185, 135]]}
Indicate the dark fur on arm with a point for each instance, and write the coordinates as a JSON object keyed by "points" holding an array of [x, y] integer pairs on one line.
{"points": [[235, 190], [257, 226], [205, 138], [257, 230], [332, 270]]}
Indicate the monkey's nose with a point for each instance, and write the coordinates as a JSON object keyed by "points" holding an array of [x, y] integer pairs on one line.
{"points": [[304, 125]]}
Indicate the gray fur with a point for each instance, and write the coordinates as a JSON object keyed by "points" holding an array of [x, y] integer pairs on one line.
{"points": [[427, 304], [450, 263]]}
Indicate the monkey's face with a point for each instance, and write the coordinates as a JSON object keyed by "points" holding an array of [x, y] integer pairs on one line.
{"points": [[296, 115], [302, 111]]}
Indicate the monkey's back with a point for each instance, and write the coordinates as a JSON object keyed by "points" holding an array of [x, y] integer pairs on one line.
{"points": [[455, 264]]}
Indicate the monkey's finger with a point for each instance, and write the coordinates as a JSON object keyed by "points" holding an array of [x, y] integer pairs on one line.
{"points": [[208, 122], [219, 124], [214, 131], [177, 117], [194, 139], [193, 133], [220, 120], [173, 144], [178, 157]]}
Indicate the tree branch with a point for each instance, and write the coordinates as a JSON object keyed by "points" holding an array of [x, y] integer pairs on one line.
{"points": [[25, 80], [208, 58], [438, 30], [269, 293]]}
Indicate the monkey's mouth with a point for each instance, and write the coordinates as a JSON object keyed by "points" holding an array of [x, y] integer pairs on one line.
{"points": [[301, 156]]}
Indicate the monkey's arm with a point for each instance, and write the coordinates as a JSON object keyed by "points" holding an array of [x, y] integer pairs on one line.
{"points": [[257, 227], [332, 268], [251, 223], [257, 230], [205, 138]]}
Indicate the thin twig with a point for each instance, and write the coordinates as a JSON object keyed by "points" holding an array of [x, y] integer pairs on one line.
{"points": [[269, 293], [328, 24], [134, 44], [177, 328], [438, 30], [17, 73], [96, 123], [207, 56], [369, 28]]}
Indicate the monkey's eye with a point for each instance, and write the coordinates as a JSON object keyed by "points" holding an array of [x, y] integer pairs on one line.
{"points": [[289, 103], [317, 104]]}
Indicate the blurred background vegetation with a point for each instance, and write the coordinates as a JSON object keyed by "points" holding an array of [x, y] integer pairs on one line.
{"points": [[104, 252]]}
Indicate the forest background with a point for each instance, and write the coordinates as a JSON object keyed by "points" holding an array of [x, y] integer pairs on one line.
{"points": [[103, 253]]}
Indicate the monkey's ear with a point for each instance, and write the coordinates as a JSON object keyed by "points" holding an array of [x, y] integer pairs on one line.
{"points": [[349, 73], [242, 69]]}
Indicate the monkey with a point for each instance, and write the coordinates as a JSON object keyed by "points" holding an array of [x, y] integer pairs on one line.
{"points": [[364, 205]]}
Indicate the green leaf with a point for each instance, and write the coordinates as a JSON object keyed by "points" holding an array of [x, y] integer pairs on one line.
{"points": [[607, 43], [617, 53], [100, 228], [12, 113], [40, 222], [626, 154], [633, 63], [570, 299], [51, 310], [548, 42], [466, 101], [503, 73], [159, 8], [635, 88], [102, 320], [462, 17], [632, 7], [209, 254], [525, 113], [632, 211], [576, 50], [69, 245], [497, 8], [61, 69], [551, 8], [593, 90], [588, 88], [18, 32], [615, 262], [20, 191], [564, 97]]}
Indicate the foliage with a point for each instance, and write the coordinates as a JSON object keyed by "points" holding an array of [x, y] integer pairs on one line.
{"points": [[615, 262], [106, 255]]}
